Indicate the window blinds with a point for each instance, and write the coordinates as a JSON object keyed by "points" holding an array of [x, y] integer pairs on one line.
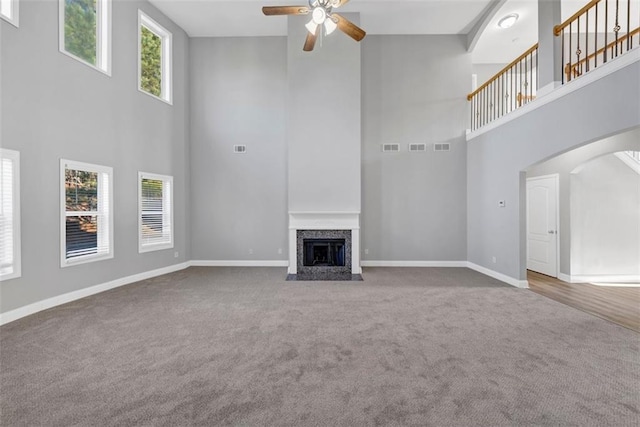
{"points": [[156, 228], [87, 214], [9, 214]]}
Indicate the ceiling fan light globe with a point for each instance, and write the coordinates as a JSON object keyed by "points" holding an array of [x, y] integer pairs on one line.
{"points": [[330, 26], [311, 26]]}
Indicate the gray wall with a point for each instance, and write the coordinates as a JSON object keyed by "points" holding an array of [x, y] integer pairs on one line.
{"points": [[238, 96], [55, 107], [323, 124], [497, 159], [414, 204], [563, 165]]}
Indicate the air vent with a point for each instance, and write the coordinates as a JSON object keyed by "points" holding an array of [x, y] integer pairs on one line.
{"points": [[240, 149], [390, 148], [417, 147], [441, 147]]}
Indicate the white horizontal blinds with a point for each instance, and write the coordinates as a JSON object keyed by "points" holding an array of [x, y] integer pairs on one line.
{"points": [[86, 212], [155, 211], [7, 215]]}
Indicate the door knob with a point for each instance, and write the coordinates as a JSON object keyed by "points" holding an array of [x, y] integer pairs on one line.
{"points": [[552, 232]]}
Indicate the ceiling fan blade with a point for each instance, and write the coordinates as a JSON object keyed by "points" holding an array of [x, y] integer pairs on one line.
{"points": [[348, 27], [285, 10], [310, 42]]}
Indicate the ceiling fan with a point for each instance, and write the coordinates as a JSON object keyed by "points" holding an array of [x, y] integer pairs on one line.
{"points": [[322, 16]]}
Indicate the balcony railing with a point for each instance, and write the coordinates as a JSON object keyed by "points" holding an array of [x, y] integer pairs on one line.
{"points": [[514, 86], [600, 31]]}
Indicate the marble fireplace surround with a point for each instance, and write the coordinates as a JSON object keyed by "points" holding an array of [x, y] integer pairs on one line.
{"points": [[324, 221]]}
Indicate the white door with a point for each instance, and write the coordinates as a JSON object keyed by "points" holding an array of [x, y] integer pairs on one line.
{"points": [[542, 224]]}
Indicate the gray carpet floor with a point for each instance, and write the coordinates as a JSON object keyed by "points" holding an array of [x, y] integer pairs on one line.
{"points": [[234, 346]]}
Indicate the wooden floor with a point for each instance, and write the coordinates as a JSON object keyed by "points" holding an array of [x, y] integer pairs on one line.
{"points": [[620, 305]]}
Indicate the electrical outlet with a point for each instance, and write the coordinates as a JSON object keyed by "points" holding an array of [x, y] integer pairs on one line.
{"points": [[176, 254], [366, 251], [493, 260], [250, 251], [280, 251]]}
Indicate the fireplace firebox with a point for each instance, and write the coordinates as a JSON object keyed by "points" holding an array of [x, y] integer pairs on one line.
{"points": [[324, 252]]}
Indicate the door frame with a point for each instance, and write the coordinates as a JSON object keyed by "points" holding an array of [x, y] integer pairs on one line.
{"points": [[556, 177]]}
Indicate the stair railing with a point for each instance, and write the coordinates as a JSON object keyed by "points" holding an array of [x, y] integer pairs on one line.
{"points": [[511, 88], [598, 32]]}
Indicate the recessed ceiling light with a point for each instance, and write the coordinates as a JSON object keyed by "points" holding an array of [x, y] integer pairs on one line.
{"points": [[508, 20]]}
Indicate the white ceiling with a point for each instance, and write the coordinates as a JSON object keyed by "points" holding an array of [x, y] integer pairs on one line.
{"points": [[239, 18], [224, 18]]}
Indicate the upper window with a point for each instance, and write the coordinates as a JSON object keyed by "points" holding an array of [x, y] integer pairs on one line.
{"points": [[9, 11], [155, 199], [154, 58], [9, 214], [85, 32], [87, 214]]}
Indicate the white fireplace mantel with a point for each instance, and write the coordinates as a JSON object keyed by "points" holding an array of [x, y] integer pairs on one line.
{"points": [[325, 221]]}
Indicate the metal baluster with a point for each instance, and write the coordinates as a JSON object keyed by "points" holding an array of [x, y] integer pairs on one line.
{"points": [[606, 30]]}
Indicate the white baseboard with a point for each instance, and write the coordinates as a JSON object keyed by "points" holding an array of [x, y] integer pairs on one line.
{"points": [[239, 263], [623, 278], [413, 263], [564, 277], [26, 310], [523, 284]]}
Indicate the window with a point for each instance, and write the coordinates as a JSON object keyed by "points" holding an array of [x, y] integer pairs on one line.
{"points": [[155, 205], [87, 215], [154, 58], [9, 214], [85, 32], [9, 11]]}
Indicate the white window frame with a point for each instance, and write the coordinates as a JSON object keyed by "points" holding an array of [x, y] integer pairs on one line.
{"points": [[167, 212], [104, 213], [103, 36], [166, 91], [14, 156], [10, 11]]}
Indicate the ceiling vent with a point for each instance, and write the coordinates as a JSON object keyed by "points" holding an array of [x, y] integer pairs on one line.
{"points": [[240, 149], [417, 147], [442, 147], [390, 148]]}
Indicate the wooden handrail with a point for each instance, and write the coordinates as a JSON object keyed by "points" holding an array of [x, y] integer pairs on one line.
{"points": [[558, 28], [622, 39], [501, 72]]}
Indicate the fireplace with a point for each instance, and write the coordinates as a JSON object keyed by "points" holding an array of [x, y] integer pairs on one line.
{"points": [[324, 246], [323, 252]]}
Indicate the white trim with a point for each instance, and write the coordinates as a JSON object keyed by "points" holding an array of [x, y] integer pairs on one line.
{"points": [[602, 71], [165, 179], [414, 263], [166, 72], [564, 277], [103, 37], [14, 19], [627, 160], [14, 156], [523, 284], [630, 278], [27, 310], [239, 263], [101, 171]]}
